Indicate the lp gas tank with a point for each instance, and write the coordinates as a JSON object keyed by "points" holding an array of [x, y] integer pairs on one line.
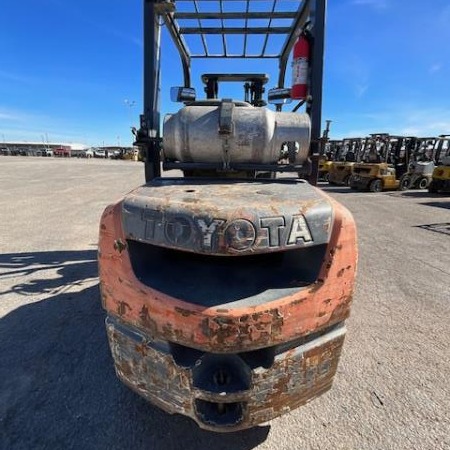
{"points": [[196, 133]]}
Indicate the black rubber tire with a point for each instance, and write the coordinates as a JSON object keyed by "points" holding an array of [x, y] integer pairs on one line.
{"points": [[326, 177], [405, 183], [347, 180], [376, 186], [432, 188], [423, 183]]}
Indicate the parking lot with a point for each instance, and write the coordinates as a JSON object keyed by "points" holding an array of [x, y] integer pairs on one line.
{"points": [[59, 389]]}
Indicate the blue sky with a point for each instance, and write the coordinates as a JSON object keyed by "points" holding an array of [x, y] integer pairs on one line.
{"points": [[66, 69]]}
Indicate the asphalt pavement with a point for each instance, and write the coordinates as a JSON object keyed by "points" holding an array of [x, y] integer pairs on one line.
{"points": [[58, 389]]}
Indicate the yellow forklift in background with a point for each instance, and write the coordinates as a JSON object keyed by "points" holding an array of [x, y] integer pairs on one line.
{"points": [[328, 152], [423, 161], [341, 170], [385, 159], [324, 168], [441, 175]]}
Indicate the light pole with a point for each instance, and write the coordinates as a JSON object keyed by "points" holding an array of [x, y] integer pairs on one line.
{"points": [[130, 104]]}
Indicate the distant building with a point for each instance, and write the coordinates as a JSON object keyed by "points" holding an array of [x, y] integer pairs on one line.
{"points": [[62, 149], [24, 148]]}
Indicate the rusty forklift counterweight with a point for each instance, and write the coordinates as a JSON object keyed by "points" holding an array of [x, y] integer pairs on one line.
{"points": [[227, 288]]}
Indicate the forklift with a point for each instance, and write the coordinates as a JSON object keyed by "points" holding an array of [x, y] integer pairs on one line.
{"points": [[226, 293], [332, 148], [324, 168], [341, 170], [385, 160], [424, 158], [326, 153], [441, 174]]}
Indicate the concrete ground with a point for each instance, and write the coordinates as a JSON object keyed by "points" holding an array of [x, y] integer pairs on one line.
{"points": [[58, 388]]}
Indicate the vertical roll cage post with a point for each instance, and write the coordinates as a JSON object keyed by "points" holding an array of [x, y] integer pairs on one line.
{"points": [[158, 13]]}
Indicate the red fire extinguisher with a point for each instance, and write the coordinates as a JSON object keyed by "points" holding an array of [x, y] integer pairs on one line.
{"points": [[300, 66]]}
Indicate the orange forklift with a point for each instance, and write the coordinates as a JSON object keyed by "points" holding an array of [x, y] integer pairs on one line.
{"points": [[226, 293]]}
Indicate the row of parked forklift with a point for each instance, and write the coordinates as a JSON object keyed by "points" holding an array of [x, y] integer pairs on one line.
{"points": [[385, 162]]}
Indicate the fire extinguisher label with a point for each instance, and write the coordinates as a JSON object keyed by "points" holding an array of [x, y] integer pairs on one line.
{"points": [[300, 71]]}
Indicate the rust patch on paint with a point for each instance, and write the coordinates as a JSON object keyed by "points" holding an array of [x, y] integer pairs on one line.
{"points": [[148, 323], [119, 245], [299, 301], [316, 286], [247, 328], [342, 311], [142, 349], [123, 308], [184, 312]]}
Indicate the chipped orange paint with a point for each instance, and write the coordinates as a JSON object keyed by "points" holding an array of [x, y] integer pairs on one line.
{"points": [[219, 330]]}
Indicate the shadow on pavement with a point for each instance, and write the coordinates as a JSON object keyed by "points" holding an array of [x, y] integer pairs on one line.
{"points": [[337, 189], [443, 228], [59, 389], [415, 194], [441, 200], [70, 267], [444, 205]]}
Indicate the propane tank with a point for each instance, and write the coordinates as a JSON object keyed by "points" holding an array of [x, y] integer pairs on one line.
{"points": [[300, 66]]}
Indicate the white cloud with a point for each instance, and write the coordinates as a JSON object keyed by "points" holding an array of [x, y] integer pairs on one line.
{"points": [[96, 24], [377, 4], [10, 76], [405, 120], [410, 131], [19, 125], [38, 135], [355, 71], [42, 80], [7, 116], [361, 89], [12, 115], [435, 68]]}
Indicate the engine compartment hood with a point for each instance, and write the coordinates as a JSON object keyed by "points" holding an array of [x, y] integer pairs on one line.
{"points": [[227, 217]]}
